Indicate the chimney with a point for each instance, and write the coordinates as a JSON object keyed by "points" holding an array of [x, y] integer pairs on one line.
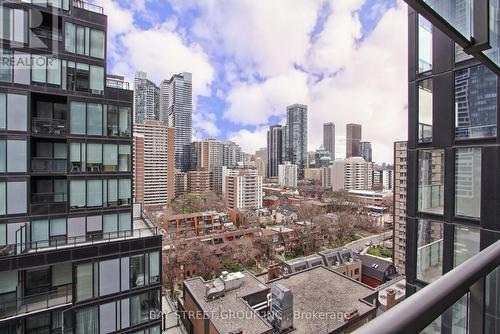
{"points": [[391, 298]]}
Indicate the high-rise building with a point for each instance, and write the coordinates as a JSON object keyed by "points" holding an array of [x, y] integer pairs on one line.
{"points": [[327, 177], [295, 137], [399, 214], [365, 149], [231, 154], [383, 179], [453, 188], [146, 99], [177, 104], [352, 174], [353, 139], [329, 138], [154, 163], [287, 175], [313, 174], [274, 149], [72, 257], [199, 181], [181, 186], [242, 188], [261, 161]]}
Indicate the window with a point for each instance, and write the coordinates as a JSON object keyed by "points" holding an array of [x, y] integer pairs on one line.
{"points": [[456, 13], [94, 119], [466, 244], [137, 273], [94, 158], [82, 77], [431, 181], [492, 296], [124, 158], [154, 267], [468, 182], [111, 157], [77, 155], [3, 156], [16, 156], [3, 111], [17, 112], [40, 233], [13, 24], [425, 111], [78, 118], [475, 103], [94, 193], [97, 43], [3, 198], [69, 37], [124, 191], [108, 312], [109, 277], [17, 197], [143, 306], [112, 193], [125, 122], [54, 71], [96, 79], [87, 320], [77, 194], [429, 250], [84, 41], [5, 65], [110, 226], [39, 69], [424, 45], [125, 223]]}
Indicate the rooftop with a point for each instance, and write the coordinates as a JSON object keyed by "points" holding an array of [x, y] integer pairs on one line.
{"points": [[323, 291], [232, 301]]}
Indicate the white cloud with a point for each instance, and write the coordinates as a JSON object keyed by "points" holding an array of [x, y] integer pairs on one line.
{"points": [[255, 103], [158, 50], [250, 141], [205, 125]]}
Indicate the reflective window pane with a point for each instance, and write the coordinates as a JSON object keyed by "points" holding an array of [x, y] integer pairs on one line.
{"points": [[475, 103], [468, 182], [84, 284], [70, 37], [87, 320], [457, 13], [17, 112], [96, 80], [424, 45], [431, 181], [429, 250], [492, 302], [425, 111], [17, 197], [494, 25], [78, 118], [94, 119], [466, 244], [97, 43]]}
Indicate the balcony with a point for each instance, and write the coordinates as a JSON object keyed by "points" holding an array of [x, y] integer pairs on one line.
{"points": [[47, 165], [48, 126], [58, 297], [88, 6], [439, 307], [141, 229], [47, 203]]}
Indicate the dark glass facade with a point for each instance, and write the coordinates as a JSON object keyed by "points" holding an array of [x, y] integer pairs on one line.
{"points": [[453, 194], [72, 258]]}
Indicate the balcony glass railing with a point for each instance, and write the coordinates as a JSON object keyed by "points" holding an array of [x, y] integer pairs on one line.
{"points": [[62, 242], [48, 126], [57, 297], [43, 203], [466, 295], [88, 6], [41, 165]]}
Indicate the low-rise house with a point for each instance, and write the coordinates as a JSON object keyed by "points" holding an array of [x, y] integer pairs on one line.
{"points": [[377, 271]]}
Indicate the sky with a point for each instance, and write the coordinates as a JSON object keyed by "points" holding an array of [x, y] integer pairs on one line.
{"points": [[345, 59]]}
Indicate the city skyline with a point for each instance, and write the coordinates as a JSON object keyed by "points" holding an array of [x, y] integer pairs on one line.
{"points": [[238, 96]]}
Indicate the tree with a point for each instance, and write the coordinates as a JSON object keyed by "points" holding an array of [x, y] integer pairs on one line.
{"points": [[344, 229], [196, 202], [308, 211]]}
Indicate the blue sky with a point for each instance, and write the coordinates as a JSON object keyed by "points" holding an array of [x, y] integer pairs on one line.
{"points": [[345, 59]]}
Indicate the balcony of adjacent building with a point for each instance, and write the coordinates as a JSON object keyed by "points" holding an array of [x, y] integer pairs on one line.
{"points": [[26, 292], [56, 234], [88, 6], [49, 157], [49, 195], [49, 116]]}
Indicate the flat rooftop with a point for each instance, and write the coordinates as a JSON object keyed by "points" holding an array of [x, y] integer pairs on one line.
{"points": [[322, 291], [250, 323]]}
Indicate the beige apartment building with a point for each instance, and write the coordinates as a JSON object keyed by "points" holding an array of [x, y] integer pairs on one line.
{"points": [[399, 219], [154, 158]]}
